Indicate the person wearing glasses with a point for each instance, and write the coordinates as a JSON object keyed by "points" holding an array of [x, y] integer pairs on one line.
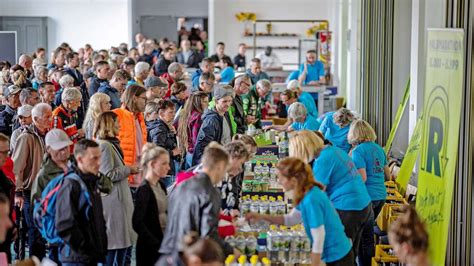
{"points": [[254, 101], [241, 86], [116, 87]]}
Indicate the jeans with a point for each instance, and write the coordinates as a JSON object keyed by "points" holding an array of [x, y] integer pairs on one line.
{"points": [[367, 242], [189, 160], [116, 257], [354, 222], [35, 241]]}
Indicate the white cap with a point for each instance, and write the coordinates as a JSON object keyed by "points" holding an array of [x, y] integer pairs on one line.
{"points": [[57, 139], [25, 110]]}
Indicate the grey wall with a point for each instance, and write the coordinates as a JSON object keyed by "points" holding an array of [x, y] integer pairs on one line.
{"points": [[175, 8]]}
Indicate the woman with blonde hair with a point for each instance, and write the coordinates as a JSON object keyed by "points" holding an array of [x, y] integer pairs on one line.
{"points": [[344, 186], [371, 162], [336, 127], [99, 103], [118, 204], [323, 226], [151, 204], [409, 238]]}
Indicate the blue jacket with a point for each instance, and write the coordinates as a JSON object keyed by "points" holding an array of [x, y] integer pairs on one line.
{"points": [[113, 93], [195, 78]]}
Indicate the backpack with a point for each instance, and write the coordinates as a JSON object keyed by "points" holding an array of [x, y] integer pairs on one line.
{"points": [[44, 213]]}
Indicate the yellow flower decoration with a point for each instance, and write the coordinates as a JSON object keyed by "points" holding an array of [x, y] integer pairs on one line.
{"points": [[246, 16]]}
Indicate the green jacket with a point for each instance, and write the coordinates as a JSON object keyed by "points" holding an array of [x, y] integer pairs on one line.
{"points": [[253, 105], [48, 171]]}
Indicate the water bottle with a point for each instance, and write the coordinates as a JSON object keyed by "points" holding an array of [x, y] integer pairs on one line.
{"points": [[294, 256], [240, 243], [264, 206], [230, 240], [251, 246], [273, 243], [262, 242], [273, 176], [257, 170], [247, 167], [245, 205], [273, 206], [265, 172], [306, 248], [283, 146], [281, 206], [284, 251]]}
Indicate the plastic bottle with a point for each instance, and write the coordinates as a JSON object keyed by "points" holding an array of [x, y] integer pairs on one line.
{"points": [[243, 260], [283, 146], [254, 260], [265, 172], [262, 242], [266, 261], [251, 245], [305, 251], [230, 240], [229, 261], [264, 205], [283, 254], [257, 170], [294, 256], [273, 176], [281, 206], [273, 243], [240, 243], [245, 205], [273, 206]]}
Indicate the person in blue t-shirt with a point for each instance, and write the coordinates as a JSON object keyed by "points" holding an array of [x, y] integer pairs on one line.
{"points": [[344, 186], [322, 224], [371, 162], [304, 98], [227, 73], [336, 127], [312, 71], [301, 120]]}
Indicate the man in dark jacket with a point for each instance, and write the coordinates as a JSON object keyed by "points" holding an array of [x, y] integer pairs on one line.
{"points": [[102, 69], [187, 56], [115, 88], [84, 234], [8, 114], [164, 61], [72, 61], [241, 87], [216, 124], [195, 204]]}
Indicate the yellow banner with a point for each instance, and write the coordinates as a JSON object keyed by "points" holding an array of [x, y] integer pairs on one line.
{"points": [[409, 160], [440, 135], [398, 118]]}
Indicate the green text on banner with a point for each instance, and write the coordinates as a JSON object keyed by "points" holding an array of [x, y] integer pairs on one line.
{"points": [[409, 160], [440, 135], [398, 117]]}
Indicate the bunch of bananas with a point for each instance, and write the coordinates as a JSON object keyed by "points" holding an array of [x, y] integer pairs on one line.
{"points": [[246, 16]]}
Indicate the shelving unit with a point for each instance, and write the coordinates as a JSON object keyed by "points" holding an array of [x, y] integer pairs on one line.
{"points": [[264, 34], [274, 47]]}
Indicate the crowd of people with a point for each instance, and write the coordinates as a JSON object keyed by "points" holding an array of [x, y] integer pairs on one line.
{"points": [[133, 162]]}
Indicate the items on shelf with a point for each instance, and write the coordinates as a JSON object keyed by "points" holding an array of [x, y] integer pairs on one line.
{"points": [[266, 34], [264, 205], [274, 47]]}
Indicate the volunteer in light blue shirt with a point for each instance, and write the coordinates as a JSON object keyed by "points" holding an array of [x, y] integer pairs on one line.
{"points": [[321, 221], [333, 168], [371, 162], [227, 73], [336, 127], [301, 120], [312, 71]]}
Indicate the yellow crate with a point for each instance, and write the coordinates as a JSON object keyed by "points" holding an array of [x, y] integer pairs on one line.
{"points": [[391, 185], [382, 255], [393, 194], [383, 219]]}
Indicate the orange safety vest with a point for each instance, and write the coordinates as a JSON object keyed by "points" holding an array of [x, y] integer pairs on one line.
{"points": [[127, 135]]}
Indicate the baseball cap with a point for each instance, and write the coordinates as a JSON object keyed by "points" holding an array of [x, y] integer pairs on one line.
{"points": [[153, 81], [57, 139], [11, 90], [223, 91], [25, 110]]}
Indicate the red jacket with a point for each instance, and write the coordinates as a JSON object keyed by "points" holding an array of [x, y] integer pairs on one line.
{"points": [[170, 82]]}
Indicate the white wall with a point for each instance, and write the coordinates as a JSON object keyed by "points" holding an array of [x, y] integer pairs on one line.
{"points": [[102, 23], [225, 27]]}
